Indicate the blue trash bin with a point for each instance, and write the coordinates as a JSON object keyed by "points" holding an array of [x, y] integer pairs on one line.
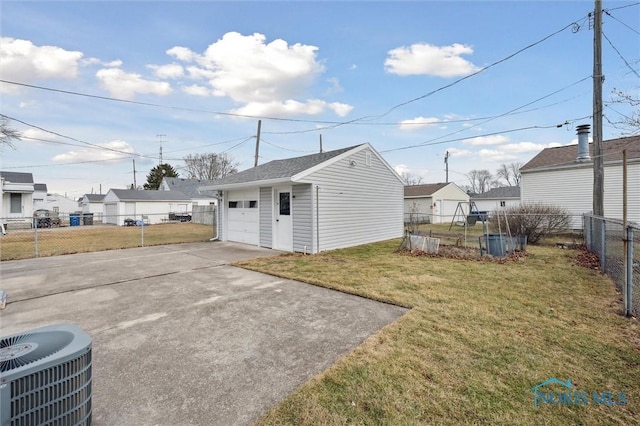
{"points": [[74, 219]]}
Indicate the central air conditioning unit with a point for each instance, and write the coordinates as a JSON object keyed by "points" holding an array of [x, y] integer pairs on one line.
{"points": [[45, 377]]}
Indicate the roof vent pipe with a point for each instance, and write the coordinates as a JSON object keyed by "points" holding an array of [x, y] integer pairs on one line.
{"points": [[583, 143]]}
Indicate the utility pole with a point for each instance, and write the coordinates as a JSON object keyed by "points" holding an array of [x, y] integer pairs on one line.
{"points": [[255, 163], [598, 168], [446, 166], [135, 184], [160, 136]]}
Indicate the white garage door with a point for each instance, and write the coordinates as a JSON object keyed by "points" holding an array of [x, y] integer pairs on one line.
{"points": [[243, 217], [111, 211]]}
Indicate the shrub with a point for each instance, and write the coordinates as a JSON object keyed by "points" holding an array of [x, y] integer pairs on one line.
{"points": [[535, 220]]}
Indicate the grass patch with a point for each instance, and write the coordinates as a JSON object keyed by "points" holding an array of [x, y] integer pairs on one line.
{"points": [[83, 239], [479, 336]]}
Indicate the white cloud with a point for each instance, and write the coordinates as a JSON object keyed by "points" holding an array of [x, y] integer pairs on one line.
{"points": [[291, 108], [247, 69], [418, 123], [487, 140], [124, 85], [31, 134], [22, 60], [197, 90], [495, 155], [334, 86], [403, 169], [527, 147], [427, 59], [109, 153], [456, 152], [168, 71]]}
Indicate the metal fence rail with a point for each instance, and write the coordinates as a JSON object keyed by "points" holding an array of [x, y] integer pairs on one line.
{"points": [[78, 233], [618, 248]]}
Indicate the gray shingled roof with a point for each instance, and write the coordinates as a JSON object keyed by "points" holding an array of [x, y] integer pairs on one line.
{"points": [[94, 198], [425, 190], [280, 169], [40, 187], [145, 195], [17, 177], [502, 193], [566, 155], [189, 187]]}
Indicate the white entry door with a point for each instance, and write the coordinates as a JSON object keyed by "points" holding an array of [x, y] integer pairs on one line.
{"points": [[283, 226]]}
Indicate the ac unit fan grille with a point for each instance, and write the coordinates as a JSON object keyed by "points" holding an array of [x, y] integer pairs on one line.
{"points": [[60, 394]]}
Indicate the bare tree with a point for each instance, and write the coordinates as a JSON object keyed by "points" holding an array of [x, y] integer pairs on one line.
{"points": [[411, 179], [510, 173], [628, 124], [209, 166], [480, 180], [7, 134]]}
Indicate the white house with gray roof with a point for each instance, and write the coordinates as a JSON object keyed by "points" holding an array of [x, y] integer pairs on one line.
{"points": [[191, 188], [563, 176], [497, 199], [16, 195], [156, 206], [313, 203]]}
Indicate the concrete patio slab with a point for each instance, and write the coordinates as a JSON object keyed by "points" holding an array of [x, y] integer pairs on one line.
{"points": [[182, 337]]}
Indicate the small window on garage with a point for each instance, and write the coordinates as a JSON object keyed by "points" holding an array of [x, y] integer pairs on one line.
{"points": [[252, 204], [233, 204]]}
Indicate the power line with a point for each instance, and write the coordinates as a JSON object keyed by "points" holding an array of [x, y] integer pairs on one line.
{"points": [[621, 7], [616, 19], [479, 71], [433, 141], [620, 54]]}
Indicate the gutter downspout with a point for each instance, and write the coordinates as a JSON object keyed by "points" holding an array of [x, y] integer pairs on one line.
{"points": [[217, 216]]}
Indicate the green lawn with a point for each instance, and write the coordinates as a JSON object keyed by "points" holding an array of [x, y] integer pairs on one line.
{"points": [[478, 337]]}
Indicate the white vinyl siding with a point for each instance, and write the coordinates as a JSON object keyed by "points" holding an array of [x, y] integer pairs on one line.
{"points": [[266, 217], [302, 218], [572, 189], [358, 204]]}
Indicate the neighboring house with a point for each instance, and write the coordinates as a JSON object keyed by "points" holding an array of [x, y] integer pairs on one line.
{"points": [[497, 199], [92, 203], [191, 188], [313, 203], [16, 193], [39, 196], [122, 204], [434, 202], [61, 204], [563, 177]]}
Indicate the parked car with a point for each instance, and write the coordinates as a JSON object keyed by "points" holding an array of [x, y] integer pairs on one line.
{"points": [[43, 218]]}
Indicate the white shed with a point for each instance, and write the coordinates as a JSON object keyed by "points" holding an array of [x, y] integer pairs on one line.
{"points": [[557, 177], [434, 202], [122, 204], [93, 204], [313, 203]]}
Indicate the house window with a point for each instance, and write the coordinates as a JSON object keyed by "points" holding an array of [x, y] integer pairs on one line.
{"points": [[16, 203], [251, 204], [233, 204], [503, 203], [285, 204]]}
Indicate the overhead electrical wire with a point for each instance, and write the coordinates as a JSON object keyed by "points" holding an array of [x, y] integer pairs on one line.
{"points": [[620, 54], [623, 23]]}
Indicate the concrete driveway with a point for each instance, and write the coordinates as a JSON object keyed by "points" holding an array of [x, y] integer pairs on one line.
{"points": [[180, 337]]}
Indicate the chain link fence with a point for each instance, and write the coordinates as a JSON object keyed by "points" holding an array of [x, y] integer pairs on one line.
{"points": [[79, 233], [618, 248]]}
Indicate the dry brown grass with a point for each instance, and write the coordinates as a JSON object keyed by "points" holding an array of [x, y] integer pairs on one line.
{"points": [[479, 336], [82, 239]]}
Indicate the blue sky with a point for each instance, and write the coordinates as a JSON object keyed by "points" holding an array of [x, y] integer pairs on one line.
{"points": [[352, 72]]}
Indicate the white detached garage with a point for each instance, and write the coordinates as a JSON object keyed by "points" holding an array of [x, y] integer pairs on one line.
{"points": [[121, 204], [313, 203]]}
